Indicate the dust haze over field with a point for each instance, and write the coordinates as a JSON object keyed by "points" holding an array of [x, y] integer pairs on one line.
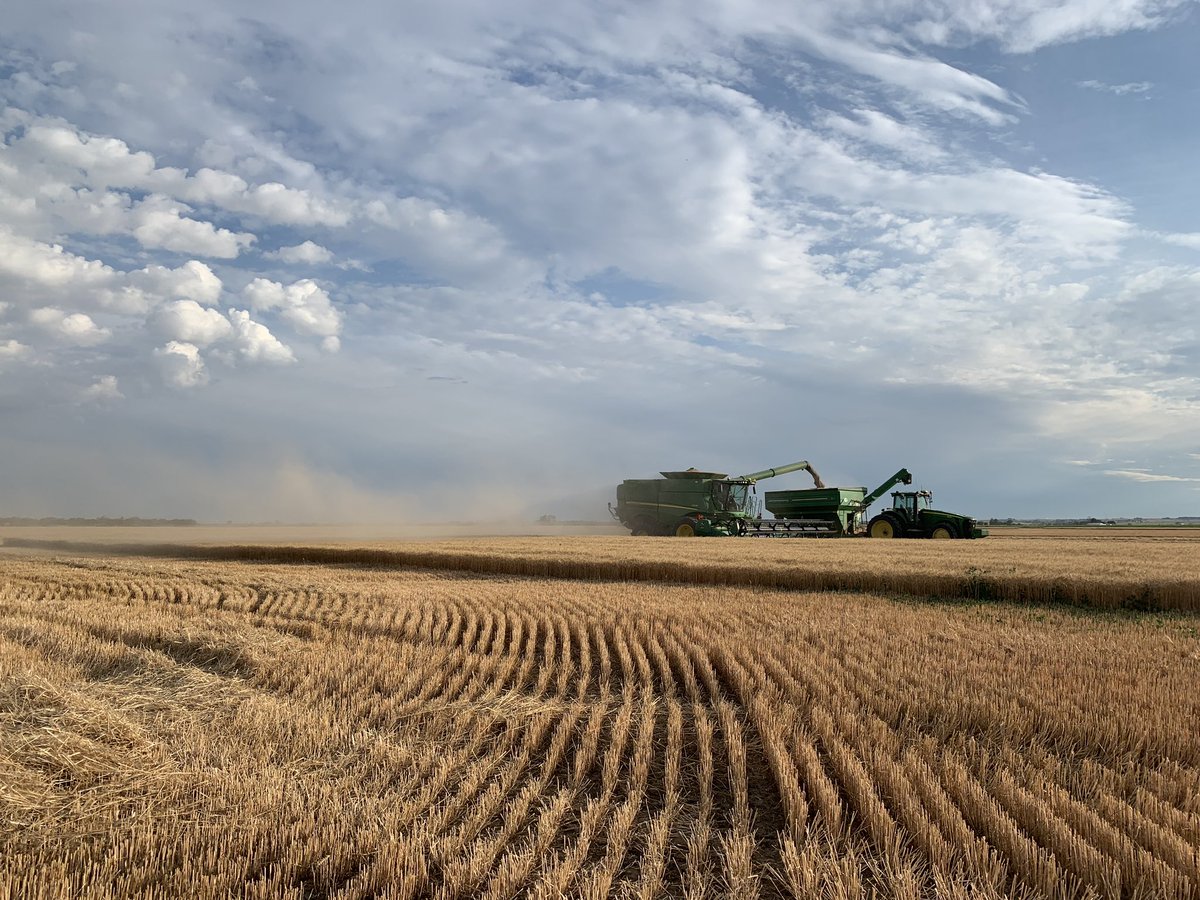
{"points": [[484, 260]]}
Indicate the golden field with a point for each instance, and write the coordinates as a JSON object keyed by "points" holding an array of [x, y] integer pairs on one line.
{"points": [[641, 719], [1147, 569]]}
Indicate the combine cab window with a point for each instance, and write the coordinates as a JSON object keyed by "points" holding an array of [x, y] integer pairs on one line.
{"points": [[730, 497]]}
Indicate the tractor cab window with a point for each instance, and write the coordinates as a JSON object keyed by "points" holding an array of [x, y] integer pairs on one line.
{"points": [[730, 497], [924, 500], [906, 502]]}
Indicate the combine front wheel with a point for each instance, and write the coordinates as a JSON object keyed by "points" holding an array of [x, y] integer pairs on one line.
{"points": [[685, 528], [643, 526], [883, 527]]}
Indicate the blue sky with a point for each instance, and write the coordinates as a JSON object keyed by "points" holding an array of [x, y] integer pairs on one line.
{"points": [[475, 260]]}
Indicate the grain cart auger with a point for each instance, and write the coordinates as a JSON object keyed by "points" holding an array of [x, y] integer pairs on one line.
{"points": [[691, 502]]}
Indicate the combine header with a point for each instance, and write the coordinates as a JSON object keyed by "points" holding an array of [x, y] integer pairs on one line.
{"points": [[693, 503]]}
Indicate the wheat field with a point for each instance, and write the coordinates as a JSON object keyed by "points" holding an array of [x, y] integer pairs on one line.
{"points": [[222, 728]]}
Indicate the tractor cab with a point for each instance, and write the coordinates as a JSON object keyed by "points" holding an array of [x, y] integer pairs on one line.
{"points": [[912, 502]]}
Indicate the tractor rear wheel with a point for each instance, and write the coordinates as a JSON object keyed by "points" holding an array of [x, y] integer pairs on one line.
{"points": [[943, 531], [883, 527], [685, 527]]}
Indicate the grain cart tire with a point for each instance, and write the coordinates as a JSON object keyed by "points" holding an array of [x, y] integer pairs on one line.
{"points": [[643, 526], [685, 527], [943, 531], [883, 527]]}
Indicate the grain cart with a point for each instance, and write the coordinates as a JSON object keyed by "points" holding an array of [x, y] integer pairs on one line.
{"points": [[910, 516], [692, 502]]}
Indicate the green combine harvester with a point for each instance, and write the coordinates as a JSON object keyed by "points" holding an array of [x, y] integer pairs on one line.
{"points": [[692, 503]]}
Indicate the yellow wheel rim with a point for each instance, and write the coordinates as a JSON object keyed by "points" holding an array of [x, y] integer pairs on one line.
{"points": [[685, 530], [941, 534], [882, 530]]}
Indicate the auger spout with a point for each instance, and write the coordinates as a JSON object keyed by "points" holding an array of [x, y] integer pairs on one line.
{"points": [[783, 470]]}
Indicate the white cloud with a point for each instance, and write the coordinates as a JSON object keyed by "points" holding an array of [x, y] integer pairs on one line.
{"points": [[255, 342], [188, 321], [104, 390], [307, 252], [31, 262], [181, 364], [1145, 477], [1022, 26], [13, 349], [1189, 239], [159, 224], [1130, 87], [191, 281], [73, 328], [303, 305]]}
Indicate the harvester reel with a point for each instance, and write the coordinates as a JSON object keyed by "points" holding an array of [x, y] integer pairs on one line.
{"points": [[883, 527], [685, 527]]}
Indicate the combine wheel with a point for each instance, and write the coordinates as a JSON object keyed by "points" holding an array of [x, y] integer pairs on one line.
{"points": [[942, 532], [883, 527], [643, 526], [685, 527]]}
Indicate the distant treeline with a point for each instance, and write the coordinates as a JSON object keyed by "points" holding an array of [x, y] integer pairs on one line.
{"points": [[126, 521]]}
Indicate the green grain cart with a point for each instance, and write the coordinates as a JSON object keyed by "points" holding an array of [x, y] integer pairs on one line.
{"points": [[693, 503]]}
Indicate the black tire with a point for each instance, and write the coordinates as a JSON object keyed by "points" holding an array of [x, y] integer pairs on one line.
{"points": [[884, 526], [643, 526], [943, 531], [685, 527]]}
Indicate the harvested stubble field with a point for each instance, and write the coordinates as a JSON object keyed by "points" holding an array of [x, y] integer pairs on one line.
{"points": [[216, 728], [1146, 569]]}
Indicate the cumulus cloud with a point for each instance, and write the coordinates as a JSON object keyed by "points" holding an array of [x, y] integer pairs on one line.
{"points": [[103, 391], [307, 252], [191, 281], [73, 328], [181, 365], [159, 223], [302, 304], [255, 342], [13, 349], [189, 322]]}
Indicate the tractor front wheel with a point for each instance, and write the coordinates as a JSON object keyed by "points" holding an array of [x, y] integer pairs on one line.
{"points": [[883, 527], [685, 527], [943, 532]]}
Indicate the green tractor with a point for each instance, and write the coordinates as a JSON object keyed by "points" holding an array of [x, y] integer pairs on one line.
{"points": [[912, 515]]}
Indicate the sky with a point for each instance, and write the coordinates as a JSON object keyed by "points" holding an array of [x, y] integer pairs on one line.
{"points": [[470, 260]]}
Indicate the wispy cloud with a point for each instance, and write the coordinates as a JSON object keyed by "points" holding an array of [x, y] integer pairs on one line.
{"points": [[1145, 477], [1129, 87]]}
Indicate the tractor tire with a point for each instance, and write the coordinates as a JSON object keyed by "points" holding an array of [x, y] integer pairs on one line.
{"points": [[943, 531], [883, 527], [643, 527], [685, 527]]}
